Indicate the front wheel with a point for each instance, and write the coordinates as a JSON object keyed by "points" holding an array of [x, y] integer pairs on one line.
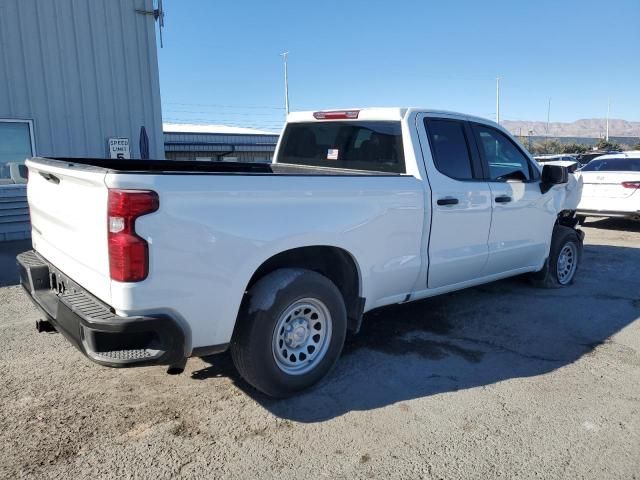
{"points": [[564, 257], [290, 331]]}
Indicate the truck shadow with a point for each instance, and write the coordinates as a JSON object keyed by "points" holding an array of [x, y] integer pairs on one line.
{"points": [[613, 224], [8, 268], [467, 339]]}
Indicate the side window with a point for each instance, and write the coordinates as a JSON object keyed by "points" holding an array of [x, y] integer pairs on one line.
{"points": [[449, 148], [504, 159], [15, 147]]}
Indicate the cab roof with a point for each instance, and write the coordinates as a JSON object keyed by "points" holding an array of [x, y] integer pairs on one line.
{"points": [[380, 114]]}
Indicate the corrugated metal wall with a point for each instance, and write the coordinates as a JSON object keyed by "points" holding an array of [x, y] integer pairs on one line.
{"points": [[251, 157], [82, 71], [14, 213], [244, 147]]}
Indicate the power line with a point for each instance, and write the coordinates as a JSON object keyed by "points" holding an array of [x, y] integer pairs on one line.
{"points": [[205, 121], [222, 118], [208, 118], [251, 114], [211, 105]]}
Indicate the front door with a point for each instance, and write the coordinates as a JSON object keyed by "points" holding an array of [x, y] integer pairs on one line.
{"points": [[522, 222]]}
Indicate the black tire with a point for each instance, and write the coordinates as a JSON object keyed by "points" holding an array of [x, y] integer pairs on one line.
{"points": [[267, 301], [548, 276]]}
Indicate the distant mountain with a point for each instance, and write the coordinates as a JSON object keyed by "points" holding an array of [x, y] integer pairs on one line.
{"points": [[588, 128]]}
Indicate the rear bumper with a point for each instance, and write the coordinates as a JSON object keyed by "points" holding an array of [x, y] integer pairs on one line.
{"points": [[92, 327]]}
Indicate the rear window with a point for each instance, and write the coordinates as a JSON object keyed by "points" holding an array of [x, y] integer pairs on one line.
{"points": [[613, 165], [373, 146]]}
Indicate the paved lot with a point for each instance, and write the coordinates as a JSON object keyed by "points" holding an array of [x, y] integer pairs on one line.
{"points": [[498, 381]]}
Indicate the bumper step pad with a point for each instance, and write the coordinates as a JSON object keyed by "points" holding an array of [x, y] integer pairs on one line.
{"points": [[131, 355]]}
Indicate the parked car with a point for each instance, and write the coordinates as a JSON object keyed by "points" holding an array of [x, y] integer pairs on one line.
{"points": [[611, 186], [150, 262], [585, 158]]}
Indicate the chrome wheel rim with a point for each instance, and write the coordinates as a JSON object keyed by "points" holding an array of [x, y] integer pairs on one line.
{"points": [[567, 263], [301, 336]]}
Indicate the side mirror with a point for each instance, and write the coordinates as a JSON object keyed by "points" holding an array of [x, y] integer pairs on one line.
{"points": [[553, 175]]}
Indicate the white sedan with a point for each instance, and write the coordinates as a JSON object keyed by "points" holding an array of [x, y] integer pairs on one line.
{"points": [[611, 186]]}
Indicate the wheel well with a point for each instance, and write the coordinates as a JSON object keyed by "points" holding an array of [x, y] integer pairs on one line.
{"points": [[568, 218], [334, 263]]}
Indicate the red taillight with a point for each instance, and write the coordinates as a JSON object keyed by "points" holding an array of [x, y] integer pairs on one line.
{"points": [[337, 115], [128, 253], [631, 184]]}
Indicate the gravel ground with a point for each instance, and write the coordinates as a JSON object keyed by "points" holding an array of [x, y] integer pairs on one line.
{"points": [[498, 381]]}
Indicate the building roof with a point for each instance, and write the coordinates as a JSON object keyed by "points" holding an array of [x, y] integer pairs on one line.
{"points": [[220, 129]]}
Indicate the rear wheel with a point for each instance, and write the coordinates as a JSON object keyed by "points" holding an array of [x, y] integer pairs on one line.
{"points": [[564, 257], [290, 331]]}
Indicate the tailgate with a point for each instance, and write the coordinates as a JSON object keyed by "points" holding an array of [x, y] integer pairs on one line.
{"points": [[68, 207]]}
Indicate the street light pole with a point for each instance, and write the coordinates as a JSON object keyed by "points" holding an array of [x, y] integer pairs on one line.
{"points": [[548, 115], [608, 111], [286, 82], [498, 100]]}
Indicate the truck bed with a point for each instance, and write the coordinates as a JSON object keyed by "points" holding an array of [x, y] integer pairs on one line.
{"points": [[217, 223], [173, 167]]}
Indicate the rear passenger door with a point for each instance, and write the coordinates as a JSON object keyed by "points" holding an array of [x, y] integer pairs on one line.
{"points": [[521, 223], [460, 201]]}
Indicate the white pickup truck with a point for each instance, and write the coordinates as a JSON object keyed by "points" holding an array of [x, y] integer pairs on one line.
{"points": [[142, 262]]}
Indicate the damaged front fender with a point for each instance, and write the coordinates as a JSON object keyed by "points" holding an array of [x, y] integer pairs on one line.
{"points": [[567, 195]]}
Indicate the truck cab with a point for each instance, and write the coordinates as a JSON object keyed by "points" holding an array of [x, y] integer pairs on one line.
{"points": [[478, 182]]}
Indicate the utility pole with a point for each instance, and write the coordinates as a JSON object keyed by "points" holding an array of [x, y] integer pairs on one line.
{"points": [[286, 82], [608, 111], [498, 100], [548, 115]]}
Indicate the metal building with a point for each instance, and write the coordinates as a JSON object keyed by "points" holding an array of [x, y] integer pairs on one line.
{"points": [[73, 75], [218, 143]]}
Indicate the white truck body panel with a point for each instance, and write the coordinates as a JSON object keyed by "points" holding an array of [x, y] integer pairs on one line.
{"points": [[463, 256], [203, 224], [212, 232], [69, 225]]}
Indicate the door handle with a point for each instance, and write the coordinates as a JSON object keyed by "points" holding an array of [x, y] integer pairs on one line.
{"points": [[503, 199], [49, 177], [447, 201]]}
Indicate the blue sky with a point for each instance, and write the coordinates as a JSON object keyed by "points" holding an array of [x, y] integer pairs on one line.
{"points": [[221, 63]]}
